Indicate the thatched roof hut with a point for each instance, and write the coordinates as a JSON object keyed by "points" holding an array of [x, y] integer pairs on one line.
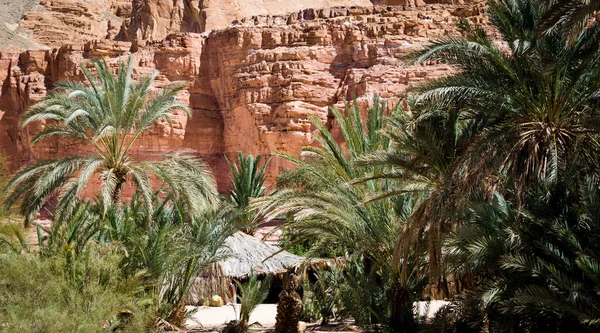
{"points": [[246, 255], [252, 255]]}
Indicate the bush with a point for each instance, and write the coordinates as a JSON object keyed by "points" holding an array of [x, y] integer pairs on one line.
{"points": [[465, 315], [253, 293], [62, 293], [322, 300], [165, 248], [364, 298]]}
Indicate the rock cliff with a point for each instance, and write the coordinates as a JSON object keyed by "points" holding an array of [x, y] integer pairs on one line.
{"points": [[47, 23], [252, 85]]}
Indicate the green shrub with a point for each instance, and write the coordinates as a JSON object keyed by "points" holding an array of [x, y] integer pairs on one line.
{"points": [[165, 248], [364, 298], [64, 293], [12, 238], [322, 300], [253, 293]]}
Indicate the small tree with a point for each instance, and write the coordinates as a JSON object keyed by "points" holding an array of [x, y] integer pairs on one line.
{"points": [[253, 293], [109, 114], [248, 178]]}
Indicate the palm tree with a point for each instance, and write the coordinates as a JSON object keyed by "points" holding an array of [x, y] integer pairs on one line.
{"points": [[532, 100], [165, 255], [331, 163], [424, 149], [171, 251], [331, 214], [252, 293], [512, 116], [109, 114], [248, 178], [539, 266], [569, 16]]}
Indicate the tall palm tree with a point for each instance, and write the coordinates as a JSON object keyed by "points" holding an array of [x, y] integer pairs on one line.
{"points": [[533, 99], [509, 118], [109, 114], [333, 214], [425, 146], [248, 179]]}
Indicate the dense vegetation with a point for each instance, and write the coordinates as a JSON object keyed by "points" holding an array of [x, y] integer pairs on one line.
{"points": [[486, 192], [108, 264]]}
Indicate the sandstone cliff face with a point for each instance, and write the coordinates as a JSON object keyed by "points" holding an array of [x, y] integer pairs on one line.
{"points": [[52, 23], [252, 86], [61, 22]]}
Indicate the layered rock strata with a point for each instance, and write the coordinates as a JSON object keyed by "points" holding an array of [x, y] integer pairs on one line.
{"points": [[252, 86], [60, 22]]}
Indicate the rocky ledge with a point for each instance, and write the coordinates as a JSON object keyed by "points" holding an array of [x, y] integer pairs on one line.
{"points": [[252, 85]]}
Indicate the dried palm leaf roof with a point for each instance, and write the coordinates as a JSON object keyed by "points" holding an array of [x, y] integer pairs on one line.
{"points": [[248, 254]]}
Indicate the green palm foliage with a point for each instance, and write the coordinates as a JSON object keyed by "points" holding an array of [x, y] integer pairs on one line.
{"points": [[333, 214], [514, 115], [165, 255], [570, 16], [109, 114], [424, 149], [331, 162], [248, 178], [336, 215], [538, 267], [533, 100], [12, 239], [253, 293]]}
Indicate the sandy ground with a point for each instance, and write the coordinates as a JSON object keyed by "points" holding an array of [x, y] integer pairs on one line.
{"points": [[212, 317], [429, 309], [265, 314]]}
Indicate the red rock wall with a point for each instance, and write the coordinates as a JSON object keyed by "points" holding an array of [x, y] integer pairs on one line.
{"points": [[252, 86]]}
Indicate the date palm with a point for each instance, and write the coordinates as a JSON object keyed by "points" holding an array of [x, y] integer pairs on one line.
{"points": [[164, 256], [538, 266], [510, 117], [533, 99], [109, 114], [328, 212], [332, 212], [425, 146]]}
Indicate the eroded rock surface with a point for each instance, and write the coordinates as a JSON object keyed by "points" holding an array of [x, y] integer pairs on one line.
{"points": [[252, 86]]}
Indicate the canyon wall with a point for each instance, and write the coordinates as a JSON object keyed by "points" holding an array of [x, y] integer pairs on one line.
{"points": [[47, 23], [251, 86]]}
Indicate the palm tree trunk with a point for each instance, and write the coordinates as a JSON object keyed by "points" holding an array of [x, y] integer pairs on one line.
{"points": [[401, 318], [117, 195]]}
